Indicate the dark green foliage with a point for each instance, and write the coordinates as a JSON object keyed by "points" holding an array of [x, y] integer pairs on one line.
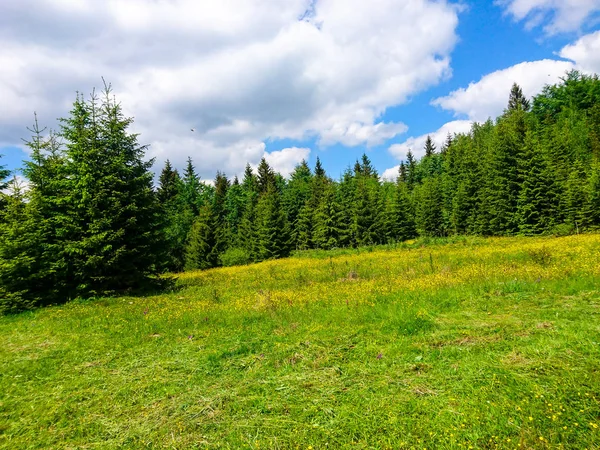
{"points": [[20, 252], [272, 229], [516, 100], [199, 252], [429, 214], [92, 224], [328, 220], [429, 147]]}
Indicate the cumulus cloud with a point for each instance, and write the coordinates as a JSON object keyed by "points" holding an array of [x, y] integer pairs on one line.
{"points": [[559, 15], [284, 161], [240, 72], [417, 144], [585, 51], [489, 96]]}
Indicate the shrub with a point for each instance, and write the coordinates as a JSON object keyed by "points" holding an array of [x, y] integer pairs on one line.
{"points": [[235, 257]]}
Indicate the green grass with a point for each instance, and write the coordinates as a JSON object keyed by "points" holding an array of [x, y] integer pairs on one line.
{"points": [[450, 345]]}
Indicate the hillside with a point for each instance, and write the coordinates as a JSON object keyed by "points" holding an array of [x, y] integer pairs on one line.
{"points": [[461, 343]]}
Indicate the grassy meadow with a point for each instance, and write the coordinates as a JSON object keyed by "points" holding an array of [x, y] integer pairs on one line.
{"points": [[457, 344]]}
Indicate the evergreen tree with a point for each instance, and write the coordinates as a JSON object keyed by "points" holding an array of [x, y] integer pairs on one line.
{"points": [[411, 171], [430, 218], [516, 100], [169, 184], [117, 243], [220, 224], [266, 176], [192, 195], [272, 230], [534, 203], [400, 215], [20, 254], [575, 196], [429, 147], [201, 242], [327, 220], [176, 219], [297, 192]]}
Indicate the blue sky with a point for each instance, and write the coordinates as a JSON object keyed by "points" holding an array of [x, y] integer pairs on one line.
{"points": [[286, 80]]}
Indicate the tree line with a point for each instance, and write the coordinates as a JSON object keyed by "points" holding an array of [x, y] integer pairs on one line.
{"points": [[92, 223]]}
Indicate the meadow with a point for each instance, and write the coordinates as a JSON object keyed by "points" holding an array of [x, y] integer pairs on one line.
{"points": [[464, 343]]}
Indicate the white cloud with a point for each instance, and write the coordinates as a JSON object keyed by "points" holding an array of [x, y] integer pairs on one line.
{"points": [[284, 161], [240, 72], [585, 51], [417, 144], [489, 96], [559, 15], [390, 174]]}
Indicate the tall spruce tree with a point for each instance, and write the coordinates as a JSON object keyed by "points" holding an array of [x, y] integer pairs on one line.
{"points": [[272, 229], [117, 241], [176, 218], [221, 229], [200, 252], [516, 100], [327, 220]]}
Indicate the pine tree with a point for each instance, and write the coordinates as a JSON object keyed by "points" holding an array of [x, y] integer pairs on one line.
{"points": [[192, 197], [266, 176], [220, 224], [411, 171], [534, 203], [297, 192], [401, 220], [575, 196], [430, 218], [116, 243], [429, 147], [272, 229], [516, 100], [327, 220], [169, 184], [20, 254], [201, 242], [176, 219]]}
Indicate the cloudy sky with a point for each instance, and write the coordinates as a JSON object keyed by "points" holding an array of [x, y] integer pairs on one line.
{"points": [[286, 79]]}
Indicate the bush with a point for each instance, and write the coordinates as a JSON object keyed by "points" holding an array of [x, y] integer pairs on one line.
{"points": [[563, 229], [235, 257]]}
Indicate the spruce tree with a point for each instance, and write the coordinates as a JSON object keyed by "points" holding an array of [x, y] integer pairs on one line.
{"points": [[266, 176], [429, 147], [192, 195], [430, 217], [116, 243], [575, 196], [401, 214], [516, 100], [176, 219], [534, 202], [297, 192], [21, 248], [169, 184], [201, 241], [220, 224], [411, 171], [327, 220], [272, 229]]}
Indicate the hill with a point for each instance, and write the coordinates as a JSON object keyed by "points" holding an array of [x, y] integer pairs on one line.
{"points": [[460, 343]]}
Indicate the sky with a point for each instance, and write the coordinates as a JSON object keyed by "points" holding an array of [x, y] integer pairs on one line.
{"points": [[232, 81]]}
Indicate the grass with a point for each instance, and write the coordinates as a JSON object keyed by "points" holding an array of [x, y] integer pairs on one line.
{"points": [[466, 343]]}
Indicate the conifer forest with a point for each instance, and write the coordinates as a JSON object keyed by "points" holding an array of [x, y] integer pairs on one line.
{"points": [[92, 221]]}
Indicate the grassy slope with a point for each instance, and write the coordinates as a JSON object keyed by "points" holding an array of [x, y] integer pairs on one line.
{"points": [[482, 343]]}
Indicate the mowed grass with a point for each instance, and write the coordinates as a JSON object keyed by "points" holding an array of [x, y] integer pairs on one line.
{"points": [[468, 343]]}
